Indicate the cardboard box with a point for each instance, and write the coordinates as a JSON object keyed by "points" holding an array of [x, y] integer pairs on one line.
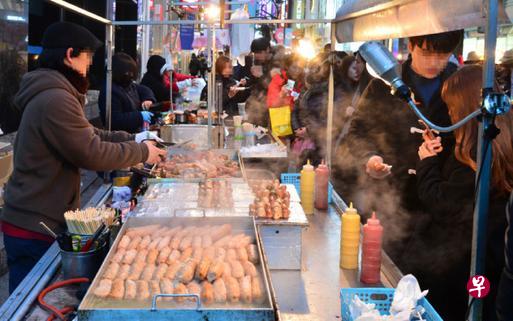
{"points": [[6, 168]]}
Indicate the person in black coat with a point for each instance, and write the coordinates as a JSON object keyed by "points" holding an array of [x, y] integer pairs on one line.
{"points": [[311, 110], [505, 291], [380, 134], [153, 78], [446, 189], [232, 93], [194, 66], [130, 101]]}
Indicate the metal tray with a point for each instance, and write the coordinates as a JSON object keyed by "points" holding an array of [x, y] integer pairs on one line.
{"points": [[198, 133], [93, 308], [166, 197], [171, 152]]}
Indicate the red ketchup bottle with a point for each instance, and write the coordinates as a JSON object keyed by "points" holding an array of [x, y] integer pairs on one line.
{"points": [[322, 175], [371, 251]]}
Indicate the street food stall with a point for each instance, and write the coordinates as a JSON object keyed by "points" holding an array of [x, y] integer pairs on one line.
{"points": [[295, 256]]}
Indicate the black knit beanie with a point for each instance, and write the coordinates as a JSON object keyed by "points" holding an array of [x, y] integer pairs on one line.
{"points": [[154, 64], [69, 35]]}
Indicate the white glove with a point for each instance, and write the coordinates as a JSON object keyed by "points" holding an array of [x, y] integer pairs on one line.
{"points": [[139, 138], [184, 84]]}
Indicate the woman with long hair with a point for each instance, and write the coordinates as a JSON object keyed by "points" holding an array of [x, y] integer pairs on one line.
{"points": [[442, 242], [233, 92]]}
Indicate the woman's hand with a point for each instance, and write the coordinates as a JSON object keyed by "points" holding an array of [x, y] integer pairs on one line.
{"points": [[274, 72], [430, 148], [284, 93], [232, 91], [243, 82], [146, 104]]}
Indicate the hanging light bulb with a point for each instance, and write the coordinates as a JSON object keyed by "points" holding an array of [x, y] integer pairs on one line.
{"points": [[306, 48], [213, 12]]}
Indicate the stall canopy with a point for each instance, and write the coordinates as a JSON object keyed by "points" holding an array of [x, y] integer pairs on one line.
{"points": [[363, 20]]}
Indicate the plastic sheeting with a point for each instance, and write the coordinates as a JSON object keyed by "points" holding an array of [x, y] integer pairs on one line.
{"points": [[405, 18]]}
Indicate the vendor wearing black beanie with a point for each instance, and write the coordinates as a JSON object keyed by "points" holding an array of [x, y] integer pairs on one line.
{"points": [[54, 141]]}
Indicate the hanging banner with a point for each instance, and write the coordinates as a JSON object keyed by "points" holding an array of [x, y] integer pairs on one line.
{"points": [[288, 37], [222, 38], [187, 34], [279, 36]]}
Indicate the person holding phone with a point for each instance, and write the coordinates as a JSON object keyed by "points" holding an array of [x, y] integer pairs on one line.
{"points": [[446, 188]]}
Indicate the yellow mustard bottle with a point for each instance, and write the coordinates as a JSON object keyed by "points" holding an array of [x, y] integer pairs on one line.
{"points": [[307, 188], [349, 238]]}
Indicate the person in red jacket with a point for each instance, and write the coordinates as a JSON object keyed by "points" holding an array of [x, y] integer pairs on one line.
{"points": [[180, 81], [286, 86]]}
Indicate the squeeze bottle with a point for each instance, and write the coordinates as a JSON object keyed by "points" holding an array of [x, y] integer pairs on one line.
{"points": [[371, 251], [238, 136], [349, 239], [322, 174], [307, 188]]}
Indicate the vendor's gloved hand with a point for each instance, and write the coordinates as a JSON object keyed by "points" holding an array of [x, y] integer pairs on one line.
{"points": [[155, 154], [141, 137], [376, 168], [146, 116]]}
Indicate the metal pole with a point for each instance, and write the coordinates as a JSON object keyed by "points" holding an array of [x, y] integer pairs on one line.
{"points": [[145, 48], [211, 80], [484, 158], [109, 48], [331, 98], [108, 89], [169, 31], [202, 22]]}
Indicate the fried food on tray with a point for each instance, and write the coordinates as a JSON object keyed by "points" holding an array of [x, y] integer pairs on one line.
{"points": [[199, 164], [272, 200], [208, 261]]}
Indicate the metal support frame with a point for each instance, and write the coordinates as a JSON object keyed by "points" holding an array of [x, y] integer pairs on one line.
{"points": [[203, 22], [109, 49], [484, 158], [331, 98], [211, 79]]}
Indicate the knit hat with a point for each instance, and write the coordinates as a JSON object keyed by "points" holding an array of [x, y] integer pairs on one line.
{"points": [[260, 44], [69, 35], [155, 63]]}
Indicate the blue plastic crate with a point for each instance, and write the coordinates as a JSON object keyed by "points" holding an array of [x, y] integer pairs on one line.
{"points": [[382, 298], [295, 179]]}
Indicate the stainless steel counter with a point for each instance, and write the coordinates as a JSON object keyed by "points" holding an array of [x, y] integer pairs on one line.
{"points": [[314, 292], [310, 294]]}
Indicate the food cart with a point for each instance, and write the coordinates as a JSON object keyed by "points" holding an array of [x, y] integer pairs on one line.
{"points": [[309, 291]]}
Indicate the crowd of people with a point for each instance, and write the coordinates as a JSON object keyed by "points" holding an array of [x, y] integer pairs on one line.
{"points": [[421, 183]]}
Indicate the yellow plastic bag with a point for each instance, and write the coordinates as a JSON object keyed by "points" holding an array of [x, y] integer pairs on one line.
{"points": [[281, 121]]}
